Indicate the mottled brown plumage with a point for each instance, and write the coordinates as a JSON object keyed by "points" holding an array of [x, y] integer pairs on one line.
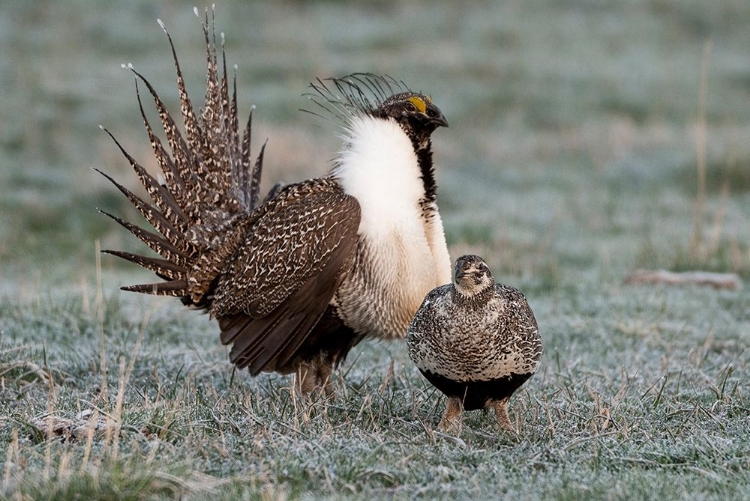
{"points": [[476, 341], [294, 281]]}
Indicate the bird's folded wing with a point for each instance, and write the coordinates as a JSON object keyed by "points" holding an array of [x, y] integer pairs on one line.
{"points": [[292, 240], [270, 342], [284, 276]]}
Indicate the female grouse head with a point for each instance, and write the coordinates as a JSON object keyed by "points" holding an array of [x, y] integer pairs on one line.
{"points": [[472, 276]]}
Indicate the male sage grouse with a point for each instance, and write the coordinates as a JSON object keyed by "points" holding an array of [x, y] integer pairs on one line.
{"points": [[476, 341], [295, 280]]}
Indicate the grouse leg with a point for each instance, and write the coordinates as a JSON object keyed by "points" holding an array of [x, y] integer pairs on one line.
{"points": [[324, 371], [501, 412], [452, 414], [306, 375]]}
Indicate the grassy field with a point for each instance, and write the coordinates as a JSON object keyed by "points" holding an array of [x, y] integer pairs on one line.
{"points": [[587, 139]]}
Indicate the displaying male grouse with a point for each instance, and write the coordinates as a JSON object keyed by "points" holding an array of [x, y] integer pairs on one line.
{"points": [[476, 341], [297, 280]]}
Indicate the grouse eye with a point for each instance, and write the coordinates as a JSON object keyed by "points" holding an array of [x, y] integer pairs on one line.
{"points": [[410, 107]]}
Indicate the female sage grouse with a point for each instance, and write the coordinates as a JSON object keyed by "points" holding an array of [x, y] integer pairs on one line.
{"points": [[476, 341], [295, 281]]}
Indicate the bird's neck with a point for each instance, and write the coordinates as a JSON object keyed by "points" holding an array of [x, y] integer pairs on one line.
{"points": [[423, 150], [472, 296]]}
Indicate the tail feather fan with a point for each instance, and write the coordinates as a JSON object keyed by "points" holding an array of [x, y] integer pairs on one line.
{"points": [[210, 184]]}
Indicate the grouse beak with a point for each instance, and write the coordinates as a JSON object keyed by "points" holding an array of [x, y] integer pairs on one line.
{"points": [[439, 119], [461, 270], [433, 116]]}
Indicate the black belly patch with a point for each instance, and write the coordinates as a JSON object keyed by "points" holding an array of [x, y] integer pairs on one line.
{"points": [[476, 394]]}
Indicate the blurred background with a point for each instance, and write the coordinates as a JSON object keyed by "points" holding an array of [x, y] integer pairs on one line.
{"points": [[586, 139]]}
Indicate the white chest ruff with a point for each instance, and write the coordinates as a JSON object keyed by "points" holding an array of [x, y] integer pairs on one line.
{"points": [[390, 279], [402, 255]]}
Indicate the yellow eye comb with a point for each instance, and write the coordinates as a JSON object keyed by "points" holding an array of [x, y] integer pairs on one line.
{"points": [[419, 103]]}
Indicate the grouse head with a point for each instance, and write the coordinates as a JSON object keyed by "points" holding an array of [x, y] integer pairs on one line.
{"points": [[360, 97], [415, 113], [472, 275], [379, 96]]}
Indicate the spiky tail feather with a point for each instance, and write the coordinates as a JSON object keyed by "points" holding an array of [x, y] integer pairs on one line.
{"points": [[210, 187]]}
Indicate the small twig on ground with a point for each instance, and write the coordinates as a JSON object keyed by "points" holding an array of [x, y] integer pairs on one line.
{"points": [[717, 280]]}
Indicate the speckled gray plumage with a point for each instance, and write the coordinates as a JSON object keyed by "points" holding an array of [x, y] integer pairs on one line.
{"points": [[476, 341], [479, 338]]}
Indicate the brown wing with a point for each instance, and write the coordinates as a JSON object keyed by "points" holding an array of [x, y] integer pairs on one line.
{"points": [[275, 291], [269, 343]]}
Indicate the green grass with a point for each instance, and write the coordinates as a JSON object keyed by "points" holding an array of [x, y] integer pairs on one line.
{"points": [[570, 161]]}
